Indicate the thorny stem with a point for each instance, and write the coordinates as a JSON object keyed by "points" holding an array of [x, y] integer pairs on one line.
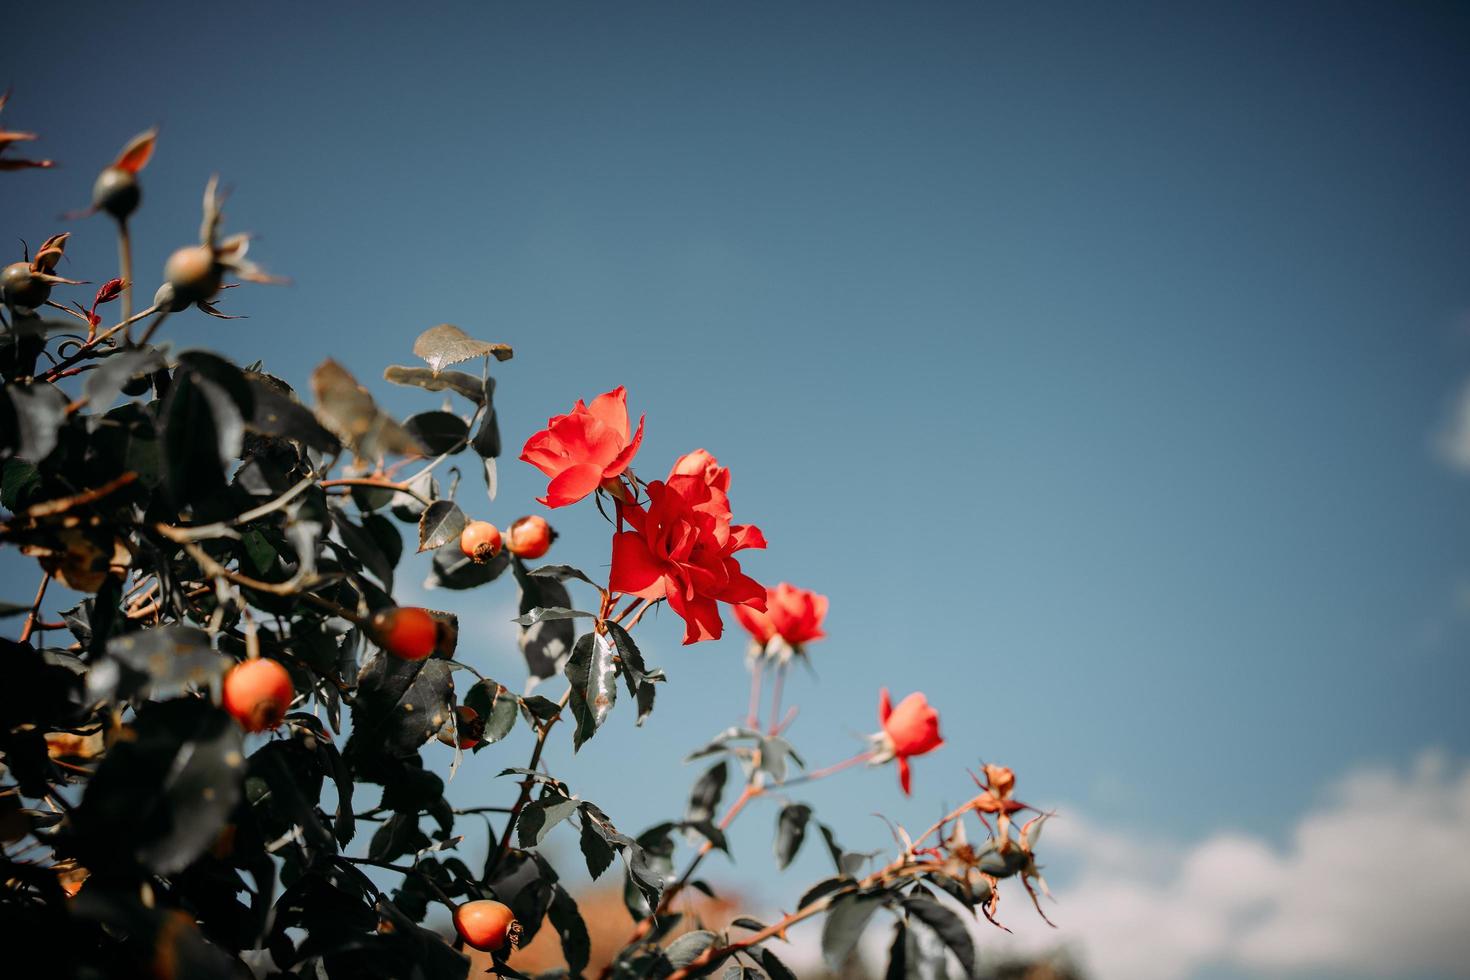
{"points": [[529, 783], [85, 351], [897, 870], [34, 614]]}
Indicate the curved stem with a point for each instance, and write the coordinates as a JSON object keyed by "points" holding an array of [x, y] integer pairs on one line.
{"points": [[757, 678], [34, 614], [834, 768], [528, 783], [368, 481], [776, 687], [125, 266]]}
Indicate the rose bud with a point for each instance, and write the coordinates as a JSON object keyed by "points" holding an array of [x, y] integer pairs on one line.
{"points": [[910, 729]]}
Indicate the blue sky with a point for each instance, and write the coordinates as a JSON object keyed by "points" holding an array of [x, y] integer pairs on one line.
{"points": [[1090, 357]]}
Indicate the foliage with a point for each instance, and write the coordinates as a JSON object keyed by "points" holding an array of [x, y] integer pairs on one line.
{"points": [[211, 515]]}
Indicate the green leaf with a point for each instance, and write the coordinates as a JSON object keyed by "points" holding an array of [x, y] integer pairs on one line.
{"points": [[18, 479], [163, 795], [578, 669], [446, 344], [595, 847], [949, 927], [30, 420], [458, 382], [539, 816], [846, 919], [704, 798], [566, 919], [790, 832], [441, 523], [105, 383], [438, 432], [775, 967], [279, 415], [172, 658], [497, 706], [689, 947], [539, 614]]}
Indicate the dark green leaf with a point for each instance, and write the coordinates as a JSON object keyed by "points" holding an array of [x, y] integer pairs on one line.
{"points": [[278, 414], [949, 927], [540, 614], [790, 832], [704, 798], [452, 569], [438, 432], [164, 794], [539, 816], [775, 967], [105, 383], [458, 382], [689, 947], [595, 848], [576, 947], [36, 412], [441, 523], [846, 919], [173, 658]]}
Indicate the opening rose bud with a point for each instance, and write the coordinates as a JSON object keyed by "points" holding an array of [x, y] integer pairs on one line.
{"points": [[911, 728], [584, 448]]}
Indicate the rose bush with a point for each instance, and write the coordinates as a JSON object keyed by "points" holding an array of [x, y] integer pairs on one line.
{"points": [[211, 757]]}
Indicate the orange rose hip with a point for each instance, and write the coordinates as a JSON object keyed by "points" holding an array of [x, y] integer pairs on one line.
{"points": [[530, 537], [484, 924], [257, 693], [409, 632], [480, 541]]}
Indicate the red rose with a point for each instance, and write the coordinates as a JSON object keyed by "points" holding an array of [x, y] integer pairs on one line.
{"points": [[582, 449], [795, 615], [910, 729], [681, 548]]}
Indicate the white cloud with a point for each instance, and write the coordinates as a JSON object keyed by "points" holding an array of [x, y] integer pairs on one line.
{"points": [[1376, 882], [1453, 440]]}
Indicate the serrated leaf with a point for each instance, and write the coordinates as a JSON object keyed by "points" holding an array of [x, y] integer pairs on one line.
{"points": [[441, 523], [539, 614], [539, 816], [790, 832], [595, 848], [566, 919], [446, 344], [439, 433], [106, 381], [704, 797], [775, 967], [846, 919], [458, 382], [949, 927], [350, 413], [689, 947], [497, 706]]}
